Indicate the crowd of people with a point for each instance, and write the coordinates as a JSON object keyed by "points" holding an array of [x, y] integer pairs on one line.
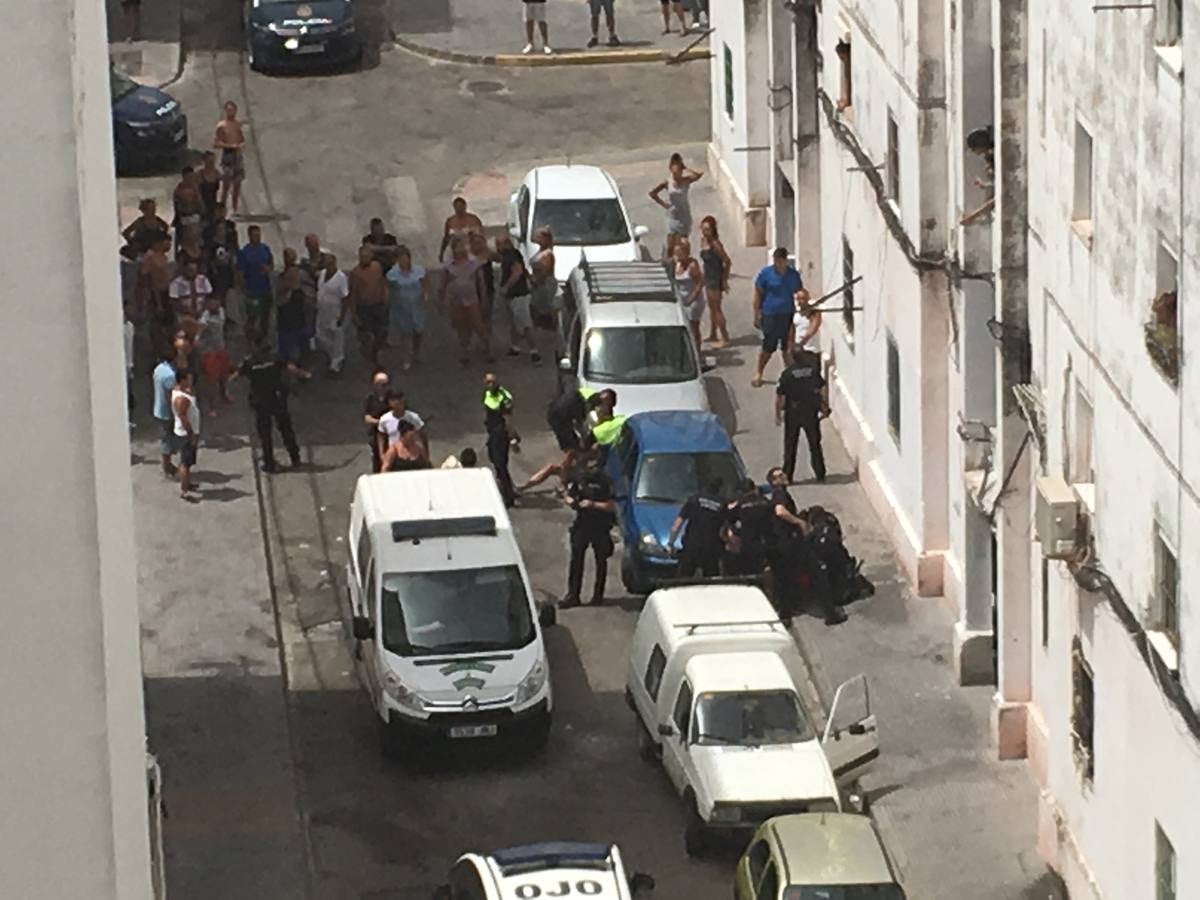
{"points": [[305, 303], [536, 25]]}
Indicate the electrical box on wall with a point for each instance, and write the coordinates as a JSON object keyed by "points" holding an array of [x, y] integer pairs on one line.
{"points": [[1056, 518]]}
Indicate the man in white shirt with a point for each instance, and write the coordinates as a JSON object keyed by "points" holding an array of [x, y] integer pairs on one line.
{"points": [[189, 291], [333, 291], [389, 424]]}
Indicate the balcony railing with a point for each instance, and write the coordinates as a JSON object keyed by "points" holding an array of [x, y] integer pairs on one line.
{"points": [[1162, 343]]}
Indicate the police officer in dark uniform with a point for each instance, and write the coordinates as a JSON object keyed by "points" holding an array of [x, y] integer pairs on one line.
{"points": [[705, 515], [269, 399], [749, 533], [792, 554], [497, 419], [590, 493], [801, 400]]}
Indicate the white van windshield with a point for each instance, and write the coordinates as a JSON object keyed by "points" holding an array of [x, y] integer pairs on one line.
{"points": [[658, 354], [464, 610], [751, 718]]}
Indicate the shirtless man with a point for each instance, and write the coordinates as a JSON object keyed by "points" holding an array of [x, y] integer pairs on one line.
{"points": [[230, 140], [461, 224], [369, 300], [154, 279], [147, 224]]}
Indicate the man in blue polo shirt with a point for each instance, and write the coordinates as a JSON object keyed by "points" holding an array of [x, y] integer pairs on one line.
{"points": [[254, 266], [775, 291]]}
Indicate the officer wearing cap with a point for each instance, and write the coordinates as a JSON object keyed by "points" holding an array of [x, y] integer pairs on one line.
{"points": [[501, 434]]}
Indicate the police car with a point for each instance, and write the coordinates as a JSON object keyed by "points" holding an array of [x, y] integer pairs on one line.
{"points": [[560, 869]]}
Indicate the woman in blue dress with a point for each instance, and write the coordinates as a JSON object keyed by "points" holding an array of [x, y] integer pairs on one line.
{"points": [[406, 287]]}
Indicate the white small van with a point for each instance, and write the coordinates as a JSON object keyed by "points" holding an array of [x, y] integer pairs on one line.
{"points": [[718, 688], [449, 642]]}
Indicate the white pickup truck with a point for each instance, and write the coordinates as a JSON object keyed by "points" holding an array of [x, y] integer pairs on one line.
{"points": [[714, 679]]}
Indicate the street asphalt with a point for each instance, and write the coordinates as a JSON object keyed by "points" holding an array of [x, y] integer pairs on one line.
{"points": [[274, 784]]}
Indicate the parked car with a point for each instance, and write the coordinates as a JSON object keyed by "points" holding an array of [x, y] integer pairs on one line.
{"points": [[301, 34], [715, 681], [558, 869], [817, 855], [149, 127], [449, 639], [625, 329], [660, 460], [583, 208]]}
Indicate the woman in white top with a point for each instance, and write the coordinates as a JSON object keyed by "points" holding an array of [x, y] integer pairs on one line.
{"points": [[806, 322], [187, 428]]}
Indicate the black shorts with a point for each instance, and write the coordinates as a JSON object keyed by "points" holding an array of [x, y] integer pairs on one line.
{"points": [[373, 321], [565, 434], [775, 330], [189, 453]]}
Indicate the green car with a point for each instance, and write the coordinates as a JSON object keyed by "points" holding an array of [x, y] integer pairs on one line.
{"points": [[816, 856]]}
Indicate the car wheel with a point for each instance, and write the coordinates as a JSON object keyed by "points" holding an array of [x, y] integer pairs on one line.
{"points": [[632, 577], [695, 832], [647, 749], [252, 60]]}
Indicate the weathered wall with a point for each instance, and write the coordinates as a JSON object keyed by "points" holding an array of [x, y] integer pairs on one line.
{"points": [[1087, 311], [897, 68]]}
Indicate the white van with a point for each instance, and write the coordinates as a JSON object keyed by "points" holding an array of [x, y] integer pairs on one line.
{"points": [[449, 642], [718, 688], [625, 330]]}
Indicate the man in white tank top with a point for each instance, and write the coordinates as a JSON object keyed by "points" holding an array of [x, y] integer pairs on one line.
{"points": [[187, 429]]}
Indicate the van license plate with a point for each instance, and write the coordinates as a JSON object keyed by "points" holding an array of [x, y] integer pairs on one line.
{"points": [[310, 48], [473, 731]]}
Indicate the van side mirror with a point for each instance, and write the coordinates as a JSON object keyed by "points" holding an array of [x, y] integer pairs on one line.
{"points": [[441, 892], [666, 729], [564, 364], [362, 628], [641, 883], [639, 232], [548, 616]]}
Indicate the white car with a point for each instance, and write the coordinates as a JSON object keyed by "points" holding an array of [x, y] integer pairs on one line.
{"points": [[585, 212], [556, 869]]}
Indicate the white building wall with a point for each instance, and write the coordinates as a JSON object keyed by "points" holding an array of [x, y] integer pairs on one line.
{"points": [[740, 46], [1087, 311], [72, 758], [904, 475]]}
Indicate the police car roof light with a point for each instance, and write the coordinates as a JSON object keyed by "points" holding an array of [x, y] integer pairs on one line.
{"points": [[464, 526], [552, 854]]}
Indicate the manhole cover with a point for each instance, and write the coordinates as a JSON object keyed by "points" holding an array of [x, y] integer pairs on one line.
{"points": [[485, 87]]}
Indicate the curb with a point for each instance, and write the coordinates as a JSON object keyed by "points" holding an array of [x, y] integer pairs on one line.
{"points": [[576, 58]]}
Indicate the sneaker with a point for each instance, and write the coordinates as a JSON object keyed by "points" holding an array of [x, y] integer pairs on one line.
{"points": [[568, 602], [546, 49], [614, 41], [528, 49], [512, 352], [535, 358], [835, 617], [593, 41]]}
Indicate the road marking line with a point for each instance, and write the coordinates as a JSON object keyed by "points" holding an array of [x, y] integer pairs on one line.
{"points": [[405, 209]]}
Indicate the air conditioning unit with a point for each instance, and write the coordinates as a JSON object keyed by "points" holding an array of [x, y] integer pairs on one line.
{"points": [[1056, 518]]}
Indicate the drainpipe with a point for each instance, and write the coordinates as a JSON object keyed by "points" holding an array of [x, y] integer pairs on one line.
{"points": [[1010, 25]]}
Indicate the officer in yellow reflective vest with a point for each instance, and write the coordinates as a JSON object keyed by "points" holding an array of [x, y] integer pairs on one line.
{"points": [[501, 434], [606, 424]]}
